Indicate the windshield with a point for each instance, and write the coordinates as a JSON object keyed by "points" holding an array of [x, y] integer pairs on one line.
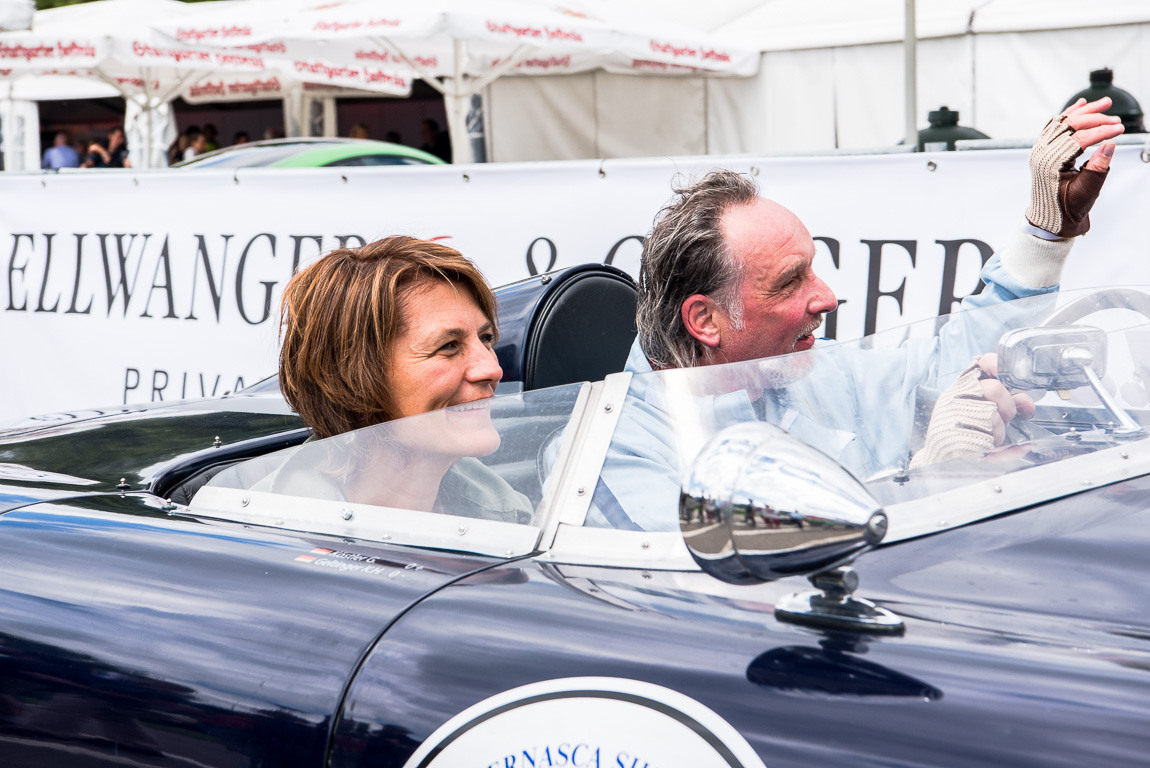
{"points": [[870, 404], [488, 460]]}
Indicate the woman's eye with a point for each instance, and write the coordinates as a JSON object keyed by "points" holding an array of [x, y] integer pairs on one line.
{"points": [[488, 339], [449, 347]]}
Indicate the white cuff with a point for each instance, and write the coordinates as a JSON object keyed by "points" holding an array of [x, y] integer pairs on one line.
{"points": [[1035, 262], [1030, 229]]}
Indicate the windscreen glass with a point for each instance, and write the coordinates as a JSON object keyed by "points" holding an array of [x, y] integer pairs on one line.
{"points": [[905, 411], [489, 459]]}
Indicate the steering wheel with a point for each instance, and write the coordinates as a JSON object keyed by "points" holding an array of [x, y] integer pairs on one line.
{"points": [[1107, 298]]}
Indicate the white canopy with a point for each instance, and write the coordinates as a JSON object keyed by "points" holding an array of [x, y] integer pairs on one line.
{"points": [[16, 14], [381, 45], [112, 42]]}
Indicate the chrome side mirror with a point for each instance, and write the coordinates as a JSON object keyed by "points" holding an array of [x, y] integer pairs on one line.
{"points": [[1056, 357], [760, 505]]}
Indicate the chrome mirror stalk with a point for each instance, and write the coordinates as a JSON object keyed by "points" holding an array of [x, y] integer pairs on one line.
{"points": [[834, 607]]}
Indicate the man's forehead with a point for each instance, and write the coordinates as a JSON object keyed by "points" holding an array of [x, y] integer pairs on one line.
{"points": [[764, 229]]}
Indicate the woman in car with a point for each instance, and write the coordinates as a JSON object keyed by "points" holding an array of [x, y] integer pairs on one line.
{"points": [[395, 328]]}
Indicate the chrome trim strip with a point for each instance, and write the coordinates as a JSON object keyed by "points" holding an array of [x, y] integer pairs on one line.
{"points": [[366, 522], [1017, 490], [582, 545], [593, 434]]}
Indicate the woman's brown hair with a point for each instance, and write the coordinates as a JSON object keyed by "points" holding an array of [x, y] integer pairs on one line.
{"points": [[340, 317]]}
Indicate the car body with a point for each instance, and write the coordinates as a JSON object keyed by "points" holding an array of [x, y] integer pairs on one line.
{"points": [[311, 153], [290, 615]]}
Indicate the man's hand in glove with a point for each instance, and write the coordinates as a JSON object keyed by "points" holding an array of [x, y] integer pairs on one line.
{"points": [[1061, 196], [971, 415]]}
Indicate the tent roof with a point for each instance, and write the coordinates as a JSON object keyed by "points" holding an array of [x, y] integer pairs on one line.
{"points": [[778, 25], [16, 14]]}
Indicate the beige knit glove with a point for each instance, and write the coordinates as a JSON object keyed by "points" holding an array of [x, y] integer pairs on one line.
{"points": [[1061, 196], [962, 422]]}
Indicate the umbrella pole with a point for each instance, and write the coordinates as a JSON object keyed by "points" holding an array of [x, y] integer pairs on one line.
{"points": [[455, 103], [909, 58]]}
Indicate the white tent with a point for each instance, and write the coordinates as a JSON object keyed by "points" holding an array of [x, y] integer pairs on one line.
{"points": [[831, 76], [1005, 65], [381, 44], [112, 43], [16, 14]]}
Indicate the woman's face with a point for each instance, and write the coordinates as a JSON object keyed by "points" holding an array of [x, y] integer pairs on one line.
{"points": [[444, 356]]}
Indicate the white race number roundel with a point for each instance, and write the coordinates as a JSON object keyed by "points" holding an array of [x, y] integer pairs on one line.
{"points": [[586, 722]]}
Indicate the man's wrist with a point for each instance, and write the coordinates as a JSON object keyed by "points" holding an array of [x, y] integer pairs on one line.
{"points": [[1030, 229]]}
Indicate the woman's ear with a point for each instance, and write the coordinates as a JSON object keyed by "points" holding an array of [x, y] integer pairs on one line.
{"points": [[700, 317]]}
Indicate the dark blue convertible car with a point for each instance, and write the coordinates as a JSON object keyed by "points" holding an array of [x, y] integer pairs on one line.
{"points": [[725, 566]]}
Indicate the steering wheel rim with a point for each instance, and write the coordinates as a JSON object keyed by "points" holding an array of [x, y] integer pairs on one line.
{"points": [[1107, 298]]}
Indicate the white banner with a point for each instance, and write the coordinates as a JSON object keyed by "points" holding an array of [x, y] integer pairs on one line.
{"points": [[130, 287]]}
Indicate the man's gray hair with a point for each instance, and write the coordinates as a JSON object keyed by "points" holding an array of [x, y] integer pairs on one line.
{"points": [[683, 255]]}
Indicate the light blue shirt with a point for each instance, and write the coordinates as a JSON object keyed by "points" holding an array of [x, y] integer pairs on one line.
{"points": [[856, 405], [62, 156]]}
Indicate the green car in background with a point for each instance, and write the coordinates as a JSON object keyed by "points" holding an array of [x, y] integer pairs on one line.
{"points": [[311, 153]]}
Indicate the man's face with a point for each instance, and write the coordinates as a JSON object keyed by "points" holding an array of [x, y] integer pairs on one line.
{"points": [[783, 300]]}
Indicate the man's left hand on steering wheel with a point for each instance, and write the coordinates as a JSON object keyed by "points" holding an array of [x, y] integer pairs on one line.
{"points": [[972, 414]]}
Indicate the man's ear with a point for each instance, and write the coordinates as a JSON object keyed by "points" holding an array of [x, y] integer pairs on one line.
{"points": [[700, 317]]}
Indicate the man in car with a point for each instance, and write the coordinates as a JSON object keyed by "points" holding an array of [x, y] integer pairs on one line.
{"points": [[727, 276]]}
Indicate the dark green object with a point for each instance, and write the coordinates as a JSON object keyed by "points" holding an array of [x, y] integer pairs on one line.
{"points": [[944, 127], [1124, 105]]}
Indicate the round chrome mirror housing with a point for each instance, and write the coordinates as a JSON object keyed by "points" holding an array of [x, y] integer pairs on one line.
{"points": [[759, 504]]}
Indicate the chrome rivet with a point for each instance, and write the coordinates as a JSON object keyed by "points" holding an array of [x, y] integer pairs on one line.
{"points": [[279, 522], [608, 408], [646, 574], [998, 489], [348, 514], [645, 545], [1124, 455], [1087, 482], [581, 490], [510, 553], [169, 505], [245, 501], [216, 443], [386, 537], [461, 530], [545, 280], [754, 170], [931, 165], [942, 523]]}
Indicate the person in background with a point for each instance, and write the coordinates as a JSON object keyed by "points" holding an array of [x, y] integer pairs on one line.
{"points": [[241, 137], [358, 131], [115, 155], [60, 154], [197, 144], [435, 141], [393, 137], [177, 148], [210, 135]]}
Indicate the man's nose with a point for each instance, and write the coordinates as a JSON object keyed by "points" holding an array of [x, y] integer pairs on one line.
{"points": [[823, 299]]}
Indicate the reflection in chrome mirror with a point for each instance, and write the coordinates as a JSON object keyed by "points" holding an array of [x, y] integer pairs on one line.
{"points": [[1060, 357], [761, 505]]}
